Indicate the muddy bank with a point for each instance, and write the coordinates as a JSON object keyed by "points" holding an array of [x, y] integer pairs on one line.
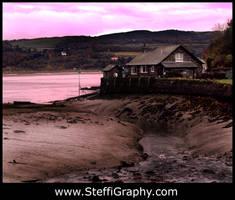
{"points": [[163, 162], [41, 145], [184, 139]]}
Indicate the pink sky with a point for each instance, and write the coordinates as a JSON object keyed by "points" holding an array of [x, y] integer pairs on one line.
{"points": [[33, 20]]}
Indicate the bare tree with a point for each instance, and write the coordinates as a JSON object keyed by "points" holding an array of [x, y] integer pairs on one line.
{"points": [[219, 27]]}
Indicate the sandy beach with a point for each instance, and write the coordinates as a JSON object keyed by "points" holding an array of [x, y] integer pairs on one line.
{"points": [[135, 138]]}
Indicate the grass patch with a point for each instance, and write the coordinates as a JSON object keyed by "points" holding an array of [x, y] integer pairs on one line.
{"points": [[38, 42], [206, 81], [127, 53], [225, 81]]}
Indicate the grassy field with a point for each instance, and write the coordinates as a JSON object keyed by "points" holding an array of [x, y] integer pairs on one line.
{"points": [[37, 43], [127, 53], [225, 81], [222, 81]]}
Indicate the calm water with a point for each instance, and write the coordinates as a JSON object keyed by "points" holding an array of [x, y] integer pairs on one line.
{"points": [[42, 88]]}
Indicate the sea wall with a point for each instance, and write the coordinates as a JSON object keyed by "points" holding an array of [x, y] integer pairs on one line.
{"points": [[148, 85]]}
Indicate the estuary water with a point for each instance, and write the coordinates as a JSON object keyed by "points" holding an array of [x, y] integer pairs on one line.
{"points": [[46, 87]]}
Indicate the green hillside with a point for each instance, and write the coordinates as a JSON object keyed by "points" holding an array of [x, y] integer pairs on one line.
{"points": [[94, 52]]}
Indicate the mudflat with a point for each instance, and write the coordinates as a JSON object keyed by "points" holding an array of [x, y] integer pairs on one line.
{"points": [[183, 139], [41, 145]]}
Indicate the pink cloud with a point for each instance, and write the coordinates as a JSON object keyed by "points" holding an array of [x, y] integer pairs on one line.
{"points": [[31, 20]]}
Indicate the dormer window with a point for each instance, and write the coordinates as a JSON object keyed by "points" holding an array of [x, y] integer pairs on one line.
{"points": [[178, 57]]}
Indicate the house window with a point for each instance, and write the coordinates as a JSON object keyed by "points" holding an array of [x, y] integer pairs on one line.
{"points": [[178, 57], [133, 70], [152, 69], [143, 69]]}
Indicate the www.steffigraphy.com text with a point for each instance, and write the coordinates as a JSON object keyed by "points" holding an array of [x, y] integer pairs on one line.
{"points": [[116, 192]]}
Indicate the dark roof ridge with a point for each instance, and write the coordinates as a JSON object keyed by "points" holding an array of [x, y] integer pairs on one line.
{"points": [[154, 57]]}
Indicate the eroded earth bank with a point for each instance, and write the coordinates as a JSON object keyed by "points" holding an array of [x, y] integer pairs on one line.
{"points": [[134, 138]]}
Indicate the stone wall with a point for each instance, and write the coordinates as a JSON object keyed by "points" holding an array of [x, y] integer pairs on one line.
{"points": [[147, 85]]}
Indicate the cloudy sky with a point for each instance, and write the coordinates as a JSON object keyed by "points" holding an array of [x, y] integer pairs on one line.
{"points": [[32, 20]]}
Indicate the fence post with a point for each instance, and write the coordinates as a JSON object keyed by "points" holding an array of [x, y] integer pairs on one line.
{"points": [[148, 81], [130, 82], [114, 83]]}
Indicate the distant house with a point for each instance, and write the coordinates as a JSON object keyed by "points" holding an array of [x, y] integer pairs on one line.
{"points": [[166, 61], [63, 53], [112, 71]]}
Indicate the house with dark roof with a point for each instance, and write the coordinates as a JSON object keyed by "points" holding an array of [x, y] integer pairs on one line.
{"points": [[166, 61], [111, 71]]}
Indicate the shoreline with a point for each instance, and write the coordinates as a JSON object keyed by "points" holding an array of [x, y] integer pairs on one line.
{"points": [[165, 157], [49, 73], [165, 149]]}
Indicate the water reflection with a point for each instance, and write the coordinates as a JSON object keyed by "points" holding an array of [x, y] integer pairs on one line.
{"points": [[46, 87]]}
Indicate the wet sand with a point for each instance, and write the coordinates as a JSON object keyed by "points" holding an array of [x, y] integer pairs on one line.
{"points": [[184, 139], [38, 146]]}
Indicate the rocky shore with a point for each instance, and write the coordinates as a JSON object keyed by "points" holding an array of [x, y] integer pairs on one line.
{"points": [[133, 138]]}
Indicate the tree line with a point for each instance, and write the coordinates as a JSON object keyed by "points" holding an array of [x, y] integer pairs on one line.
{"points": [[97, 52], [219, 53]]}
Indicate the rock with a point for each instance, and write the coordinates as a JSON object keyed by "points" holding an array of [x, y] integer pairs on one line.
{"points": [[133, 117], [213, 182], [119, 181], [228, 163], [63, 127], [182, 165], [228, 125], [136, 173], [162, 156], [107, 179], [93, 162], [125, 164], [221, 174], [71, 121], [95, 178], [19, 131], [208, 171], [13, 161], [150, 172], [185, 158], [115, 175], [145, 156], [31, 181], [179, 115], [52, 117], [121, 123]]}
